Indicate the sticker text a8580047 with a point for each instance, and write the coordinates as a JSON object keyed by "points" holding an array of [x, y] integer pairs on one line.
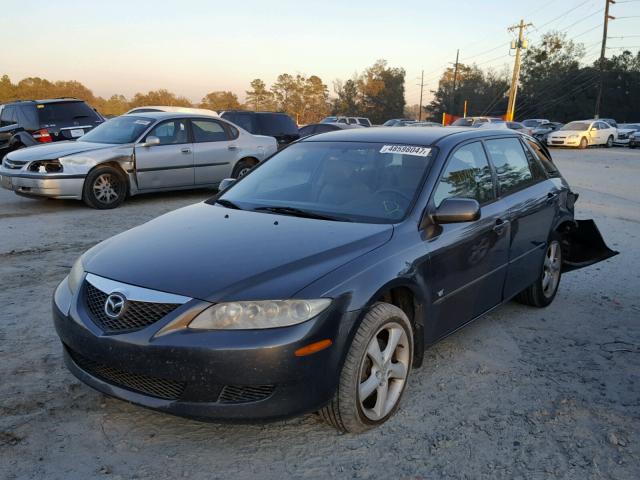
{"points": [[406, 150]]}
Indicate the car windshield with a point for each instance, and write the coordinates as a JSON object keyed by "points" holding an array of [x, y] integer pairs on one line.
{"points": [[576, 126], [125, 129], [462, 122], [329, 119], [531, 123], [629, 126], [66, 113], [347, 181]]}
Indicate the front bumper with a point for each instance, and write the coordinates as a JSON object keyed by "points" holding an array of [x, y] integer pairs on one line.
{"points": [[563, 142], [43, 185], [210, 375]]}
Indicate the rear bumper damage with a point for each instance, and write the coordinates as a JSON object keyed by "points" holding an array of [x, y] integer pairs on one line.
{"points": [[583, 245]]}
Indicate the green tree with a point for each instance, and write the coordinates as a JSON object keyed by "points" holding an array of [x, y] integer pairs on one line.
{"points": [[159, 97], [7, 89], [259, 98], [382, 92], [220, 101], [347, 102]]}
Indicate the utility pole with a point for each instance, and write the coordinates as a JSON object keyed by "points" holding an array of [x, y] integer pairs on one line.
{"points": [[602, 54], [453, 91], [421, 88], [520, 44]]}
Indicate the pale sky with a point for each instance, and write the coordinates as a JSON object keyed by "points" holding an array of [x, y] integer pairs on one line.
{"points": [[192, 47]]}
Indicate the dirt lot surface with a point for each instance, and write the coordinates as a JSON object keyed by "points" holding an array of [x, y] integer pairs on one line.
{"points": [[521, 393]]}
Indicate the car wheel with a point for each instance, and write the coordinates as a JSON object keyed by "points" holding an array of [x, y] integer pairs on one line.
{"points": [[583, 143], [375, 371], [609, 143], [542, 292], [105, 187], [242, 168]]}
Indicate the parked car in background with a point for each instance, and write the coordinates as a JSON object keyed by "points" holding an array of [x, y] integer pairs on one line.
{"points": [[363, 121], [534, 123], [473, 121], [634, 139], [610, 121], [582, 134], [517, 126], [394, 121], [624, 132], [170, 108], [424, 124], [31, 122], [543, 130], [136, 153], [315, 128], [373, 244], [272, 124], [403, 123]]}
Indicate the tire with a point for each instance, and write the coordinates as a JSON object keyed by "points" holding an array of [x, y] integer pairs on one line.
{"points": [[538, 294], [347, 411], [105, 187], [609, 143], [242, 168], [584, 143]]}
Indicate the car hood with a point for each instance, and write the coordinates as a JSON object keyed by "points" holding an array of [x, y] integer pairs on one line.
{"points": [[50, 151], [213, 253], [563, 133]]}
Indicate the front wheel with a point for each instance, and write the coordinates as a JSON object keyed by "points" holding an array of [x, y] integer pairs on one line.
{"points": [[542, 292], [105, 187], [609, 143], [242, 168], [375, 372], [583, 143]]}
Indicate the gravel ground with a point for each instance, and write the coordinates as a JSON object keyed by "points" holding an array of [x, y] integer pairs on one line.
{"points": [[521, 393]]}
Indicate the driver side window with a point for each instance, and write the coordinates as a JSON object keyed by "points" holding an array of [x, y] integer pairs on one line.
{"points": [[171, 132], [467, 175]]}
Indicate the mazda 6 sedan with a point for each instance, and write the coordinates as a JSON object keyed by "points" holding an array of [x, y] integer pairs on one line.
{"points": [[136, 153], [315, 282]]}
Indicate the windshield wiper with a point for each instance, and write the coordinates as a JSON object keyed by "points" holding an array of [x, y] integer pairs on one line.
{"points": [[297, 212], [227, 203], [80, 116]]}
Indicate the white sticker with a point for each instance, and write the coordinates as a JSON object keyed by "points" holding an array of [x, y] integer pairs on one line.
{"points": [[406, 150], [142, 122]]}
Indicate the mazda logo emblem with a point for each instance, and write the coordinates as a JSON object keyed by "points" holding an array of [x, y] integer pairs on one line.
{"points": [[115, 305]]}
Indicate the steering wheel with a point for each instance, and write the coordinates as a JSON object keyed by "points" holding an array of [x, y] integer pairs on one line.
{"points": [[397, 202]]}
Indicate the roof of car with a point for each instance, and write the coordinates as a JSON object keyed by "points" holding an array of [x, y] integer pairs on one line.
{"points": [[162, 115], [402, 135], [48, 100]]}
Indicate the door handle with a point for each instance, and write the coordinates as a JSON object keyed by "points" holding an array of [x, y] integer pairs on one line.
{"points": [[500, 226], [551, 196], [232, 147], [186, 150]]}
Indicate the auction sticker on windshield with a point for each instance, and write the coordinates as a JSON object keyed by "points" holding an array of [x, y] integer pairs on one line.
{"points": [[406, 150]]}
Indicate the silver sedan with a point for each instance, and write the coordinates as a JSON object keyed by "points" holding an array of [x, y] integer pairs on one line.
{"points": [[138, 153]]}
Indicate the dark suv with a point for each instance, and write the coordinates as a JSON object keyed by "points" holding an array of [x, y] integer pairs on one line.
{"points": [[272, 124], [30, 122]]}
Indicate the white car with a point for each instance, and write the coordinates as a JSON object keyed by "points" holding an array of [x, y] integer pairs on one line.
{"points": [[583, 133], [169, 108], [139, 153], [625, 131]]}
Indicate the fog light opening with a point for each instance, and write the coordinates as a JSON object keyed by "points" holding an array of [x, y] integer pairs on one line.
{"points": [[313, 348]]}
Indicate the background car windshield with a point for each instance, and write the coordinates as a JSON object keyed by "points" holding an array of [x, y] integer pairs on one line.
{"points": [[346, 180], [576, 126], [462, 122], [124, 129], [66, 112], [277, 125]]}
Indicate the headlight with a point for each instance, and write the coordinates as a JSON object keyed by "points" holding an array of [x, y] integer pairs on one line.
{"points": [[260, 314], [75, 275]]}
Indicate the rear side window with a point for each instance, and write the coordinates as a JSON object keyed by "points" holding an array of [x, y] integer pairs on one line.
{"points": [[208, 131], [8, 116], [276, 124], [467, 175], [511, 163], [68, 113], [545, 159], [27, 117], [171, 132]]}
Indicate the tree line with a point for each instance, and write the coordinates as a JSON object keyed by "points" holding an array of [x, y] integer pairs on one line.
{"points": [[377, 93], [554, 84]]}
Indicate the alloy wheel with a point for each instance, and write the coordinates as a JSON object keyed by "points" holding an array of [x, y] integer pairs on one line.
{"points": [[551, 269], [383, 371], [105, 188]]}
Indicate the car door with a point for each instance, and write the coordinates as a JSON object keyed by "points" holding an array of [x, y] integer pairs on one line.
{"points": [[467, 261], [214, 151], [168, 164], [532, 202]]}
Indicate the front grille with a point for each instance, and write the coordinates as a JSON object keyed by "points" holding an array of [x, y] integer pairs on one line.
{"points": [[152, 386], [242, 394], [136, 315], [14, 164]]}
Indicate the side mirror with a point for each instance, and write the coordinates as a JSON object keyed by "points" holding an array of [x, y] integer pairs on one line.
{"points": [[456, 210], [593, 129], [226, 183], [151, 141]]}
